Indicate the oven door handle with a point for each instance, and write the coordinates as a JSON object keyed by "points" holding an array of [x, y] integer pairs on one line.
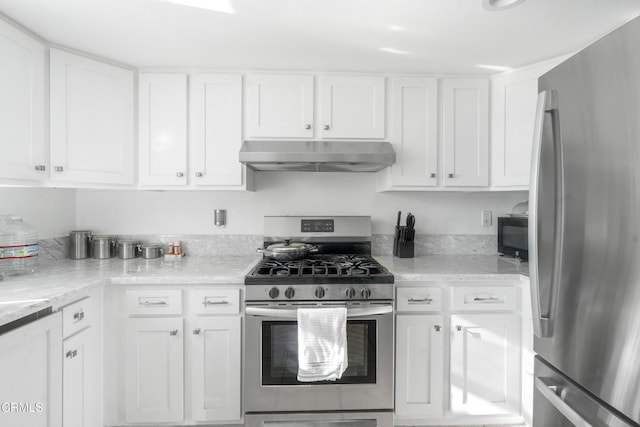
{"points": [[292, 313]]}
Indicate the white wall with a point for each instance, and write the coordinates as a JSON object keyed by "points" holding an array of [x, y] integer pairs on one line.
{"points": [[51, 211], [191, 212]]}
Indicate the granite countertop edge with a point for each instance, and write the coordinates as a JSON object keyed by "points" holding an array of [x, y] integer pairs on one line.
{"points": [[58, 283]]}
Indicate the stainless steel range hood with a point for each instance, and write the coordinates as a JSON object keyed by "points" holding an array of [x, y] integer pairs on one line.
{"points": [[317, 156]]}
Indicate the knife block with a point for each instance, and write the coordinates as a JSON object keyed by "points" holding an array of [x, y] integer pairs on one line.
{"points": [[403, 248]]}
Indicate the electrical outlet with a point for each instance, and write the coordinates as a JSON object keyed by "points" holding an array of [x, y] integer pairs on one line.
{"points": [[486, 218]]}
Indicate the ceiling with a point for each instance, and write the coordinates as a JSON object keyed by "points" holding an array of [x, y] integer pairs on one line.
{"points": [[392, 36]]}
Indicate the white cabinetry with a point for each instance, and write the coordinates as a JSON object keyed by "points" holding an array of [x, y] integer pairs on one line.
{"points": [[466, 132], [419, 365], [162, 126], [208, 156], [459, 353], [513, 108], [31, 360], [82, 367], [154, 370], [280, 106], [485, 364], [179, 356], [352, 107], [22, 141], [414, 132], [216, 131], [91, 121]]}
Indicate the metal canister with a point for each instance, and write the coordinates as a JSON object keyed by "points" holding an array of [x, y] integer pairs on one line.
{"points": [[128, 249], [151, 251], [79, 244], [103, 247]]}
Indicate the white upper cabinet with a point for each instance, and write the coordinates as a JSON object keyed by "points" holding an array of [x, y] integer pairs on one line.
{"points": [[163, 129], [514, 97], [91, 121], [414, 132], [352, 107], [216, 130], [279, 106], [22, 143], [466, 132]]}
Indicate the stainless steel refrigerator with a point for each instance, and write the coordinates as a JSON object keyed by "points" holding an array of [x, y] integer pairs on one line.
{"points": [[584, 234]]}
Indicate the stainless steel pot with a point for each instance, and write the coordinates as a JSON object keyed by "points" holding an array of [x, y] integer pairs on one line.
{"points": [[151, 251], [288, 251]]}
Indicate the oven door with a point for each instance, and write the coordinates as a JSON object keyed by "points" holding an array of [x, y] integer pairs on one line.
{"points": [[271, 362]]}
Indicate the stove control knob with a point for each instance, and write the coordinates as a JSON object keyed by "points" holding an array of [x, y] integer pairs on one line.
{"points": [[350, 293], [289, 293], [273, 293], [320, 292], [366, 293]]}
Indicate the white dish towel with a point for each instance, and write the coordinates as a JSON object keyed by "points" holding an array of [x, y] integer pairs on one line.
{"points": [[322, 344]]}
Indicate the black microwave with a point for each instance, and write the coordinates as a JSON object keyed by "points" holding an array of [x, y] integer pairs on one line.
{"points": [[513, 236]]}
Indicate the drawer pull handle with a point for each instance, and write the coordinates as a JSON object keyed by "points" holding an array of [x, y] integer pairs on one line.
{"points": [[458, 328], [420, 300], [153, 303], [207, 302], [482, 299], [71, 354], [173, 333], [437, 328], [78, 316], [196, 331]]}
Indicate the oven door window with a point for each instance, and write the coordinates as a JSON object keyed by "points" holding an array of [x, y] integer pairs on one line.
{"points": [[280, 353]]}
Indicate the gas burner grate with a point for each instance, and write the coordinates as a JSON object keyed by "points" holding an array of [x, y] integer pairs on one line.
{"points": [[320, 266]]}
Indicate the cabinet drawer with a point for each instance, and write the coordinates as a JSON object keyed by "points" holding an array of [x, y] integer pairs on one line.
{"points": [[419, 299], [485, 298], [214, 301], [77, 316], [154, 302]]}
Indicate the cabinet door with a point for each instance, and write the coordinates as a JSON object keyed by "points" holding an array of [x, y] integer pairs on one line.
{"points": [[415, 131], [216, 129], [31, 360], [154, 370], [485, 364], [466, 132], [216, 365], [352, 107], [280, 106], [163, 129], [81, 381], [91, 121], [419, 366], [22, 143]]}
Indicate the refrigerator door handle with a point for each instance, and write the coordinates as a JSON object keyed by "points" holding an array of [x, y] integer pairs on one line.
{"points": [[547, 104], [553, 393]]}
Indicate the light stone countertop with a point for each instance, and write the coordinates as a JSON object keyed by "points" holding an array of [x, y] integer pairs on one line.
{"points": [[57, 283]]}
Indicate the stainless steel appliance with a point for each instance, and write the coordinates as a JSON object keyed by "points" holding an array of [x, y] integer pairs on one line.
{"points": [[584, 229], [341, 273], [513, 236]]}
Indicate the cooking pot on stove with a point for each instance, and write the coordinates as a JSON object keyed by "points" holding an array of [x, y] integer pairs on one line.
{"points": [[288, 251]]}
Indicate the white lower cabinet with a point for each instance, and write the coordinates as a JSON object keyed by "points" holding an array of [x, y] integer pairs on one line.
{"points": [[215, 368], [485, 364], [419, 365], [154, 370], [31, 385], [455, 363], [82, 363], [179, 361]]}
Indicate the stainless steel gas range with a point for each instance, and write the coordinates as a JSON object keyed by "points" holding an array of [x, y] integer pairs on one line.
{"points": [[338, 271]]}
